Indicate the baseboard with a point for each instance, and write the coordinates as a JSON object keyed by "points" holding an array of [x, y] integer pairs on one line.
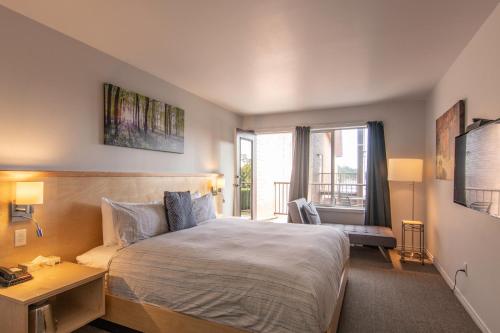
{"points": [[429, 257], [461, 298]]}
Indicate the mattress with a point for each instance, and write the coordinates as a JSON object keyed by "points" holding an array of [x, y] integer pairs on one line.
{"points": [[255, 276]]}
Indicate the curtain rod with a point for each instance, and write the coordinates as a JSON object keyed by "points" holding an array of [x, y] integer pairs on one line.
{"points": [[338, 125], [314, 126]]}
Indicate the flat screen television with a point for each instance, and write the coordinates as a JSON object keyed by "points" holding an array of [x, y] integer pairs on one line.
{"points": [[477, 169]]}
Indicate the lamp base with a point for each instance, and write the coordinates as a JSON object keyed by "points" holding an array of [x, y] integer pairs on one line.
{"points": [[21, 213]]}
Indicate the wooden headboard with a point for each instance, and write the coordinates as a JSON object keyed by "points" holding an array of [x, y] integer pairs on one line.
{"points": [[71, 213]]}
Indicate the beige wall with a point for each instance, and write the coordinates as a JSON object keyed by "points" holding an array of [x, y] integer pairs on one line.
{"points": [[51, 109], [404, 132], [456, 234]]}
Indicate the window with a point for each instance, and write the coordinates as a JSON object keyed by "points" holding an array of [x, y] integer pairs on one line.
{"points": [[337, 167]]}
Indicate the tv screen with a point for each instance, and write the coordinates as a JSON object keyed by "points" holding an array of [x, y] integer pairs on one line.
{"points": [[477, 169]]}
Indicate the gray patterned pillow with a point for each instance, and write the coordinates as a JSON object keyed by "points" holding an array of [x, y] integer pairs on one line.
{"points": [[311, 214], [203, 208], [179, 210]]}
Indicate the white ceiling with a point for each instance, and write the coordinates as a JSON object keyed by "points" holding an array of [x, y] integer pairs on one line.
{"points": [[261, 56]]}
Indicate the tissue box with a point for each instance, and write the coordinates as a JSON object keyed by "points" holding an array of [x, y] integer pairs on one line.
{"points": [[39, 262], [52, 260], [29, 267]]}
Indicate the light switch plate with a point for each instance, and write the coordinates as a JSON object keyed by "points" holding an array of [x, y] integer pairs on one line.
{"points": [[20, 237]]}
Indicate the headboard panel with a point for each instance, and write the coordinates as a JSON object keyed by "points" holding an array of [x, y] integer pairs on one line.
{"points": [[71, 215]]}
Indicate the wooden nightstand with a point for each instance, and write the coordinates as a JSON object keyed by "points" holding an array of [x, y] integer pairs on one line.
{"points": [[76, 293]]}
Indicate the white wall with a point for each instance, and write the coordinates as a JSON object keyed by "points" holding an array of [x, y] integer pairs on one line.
{"points": [[51, 109], [404, 133], [456, 234]]}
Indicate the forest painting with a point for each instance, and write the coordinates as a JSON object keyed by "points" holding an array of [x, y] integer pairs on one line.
{"points": [[136, 121]]}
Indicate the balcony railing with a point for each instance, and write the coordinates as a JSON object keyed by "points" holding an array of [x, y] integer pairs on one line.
{"points": [[484, 200], [340, 178], [281, 190], [349, 195], [245, 198], [343, 195]]}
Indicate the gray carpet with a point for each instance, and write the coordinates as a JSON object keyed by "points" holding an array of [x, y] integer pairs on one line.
{"points": [[402, 298], [406, 298]]}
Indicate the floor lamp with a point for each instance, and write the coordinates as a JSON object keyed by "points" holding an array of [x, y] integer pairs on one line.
{"points": [[406, 170]]}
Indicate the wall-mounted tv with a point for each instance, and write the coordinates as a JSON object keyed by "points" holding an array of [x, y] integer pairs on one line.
{"points": [[477, 169]]}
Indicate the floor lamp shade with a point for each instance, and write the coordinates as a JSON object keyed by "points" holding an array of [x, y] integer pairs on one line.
{"points": [[405, 170]]}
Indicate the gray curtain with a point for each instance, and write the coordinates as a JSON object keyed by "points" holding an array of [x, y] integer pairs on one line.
{"points": [[300, 168], [378, 202]]}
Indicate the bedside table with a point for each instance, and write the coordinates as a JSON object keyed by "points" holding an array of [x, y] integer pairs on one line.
{"points": [[76, 294]]}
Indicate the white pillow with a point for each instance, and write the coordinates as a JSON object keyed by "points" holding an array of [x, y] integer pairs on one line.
{"points": [[204, 208], [195, 195], [135, 222], [108, 230], [98, 257]]}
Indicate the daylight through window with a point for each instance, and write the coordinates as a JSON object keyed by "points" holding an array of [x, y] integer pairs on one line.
{"points": [[337, 167]]}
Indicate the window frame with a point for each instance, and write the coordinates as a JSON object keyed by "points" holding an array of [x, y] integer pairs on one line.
{"points": [[332, 130]]}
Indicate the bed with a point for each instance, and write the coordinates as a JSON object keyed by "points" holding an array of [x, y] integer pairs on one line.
{"points": [[76, 225], [229, 275]]}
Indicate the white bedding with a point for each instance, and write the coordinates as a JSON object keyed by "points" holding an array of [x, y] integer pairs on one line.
{"points": [[256, 276], [98, 257]]}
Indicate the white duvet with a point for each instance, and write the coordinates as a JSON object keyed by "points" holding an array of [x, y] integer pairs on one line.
{"points": [[256, 276]]}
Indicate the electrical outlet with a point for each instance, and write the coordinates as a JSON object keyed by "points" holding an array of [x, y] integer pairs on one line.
{"points": [[20, 237]]}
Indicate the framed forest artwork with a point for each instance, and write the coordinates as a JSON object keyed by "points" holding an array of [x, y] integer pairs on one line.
{"points": [[448, 126], [136, 121]]}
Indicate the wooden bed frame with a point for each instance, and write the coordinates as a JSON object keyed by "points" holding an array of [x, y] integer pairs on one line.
{"points": [[155, 319], [71, 213], [71, 218]]}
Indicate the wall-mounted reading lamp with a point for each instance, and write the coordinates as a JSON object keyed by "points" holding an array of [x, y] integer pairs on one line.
{"points": [[27, 195], [220, 183]]}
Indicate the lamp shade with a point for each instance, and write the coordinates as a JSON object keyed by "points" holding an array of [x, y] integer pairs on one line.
{"points": [[29, 193], [405, 170]]}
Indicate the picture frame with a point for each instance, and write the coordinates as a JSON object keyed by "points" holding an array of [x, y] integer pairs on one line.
{"points": [[136, 121], [448, 126]]}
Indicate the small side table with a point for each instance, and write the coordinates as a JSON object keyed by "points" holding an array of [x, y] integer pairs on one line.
{"points": [[76, 293], [413, 227]]}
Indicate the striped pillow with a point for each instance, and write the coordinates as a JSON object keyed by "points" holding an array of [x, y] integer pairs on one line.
{"points": [[135, 222], [311, 214], [203, 208]]}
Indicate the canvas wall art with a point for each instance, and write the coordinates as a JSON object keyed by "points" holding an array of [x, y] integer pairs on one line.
{"points": [[448, 126], [136, 121]]}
